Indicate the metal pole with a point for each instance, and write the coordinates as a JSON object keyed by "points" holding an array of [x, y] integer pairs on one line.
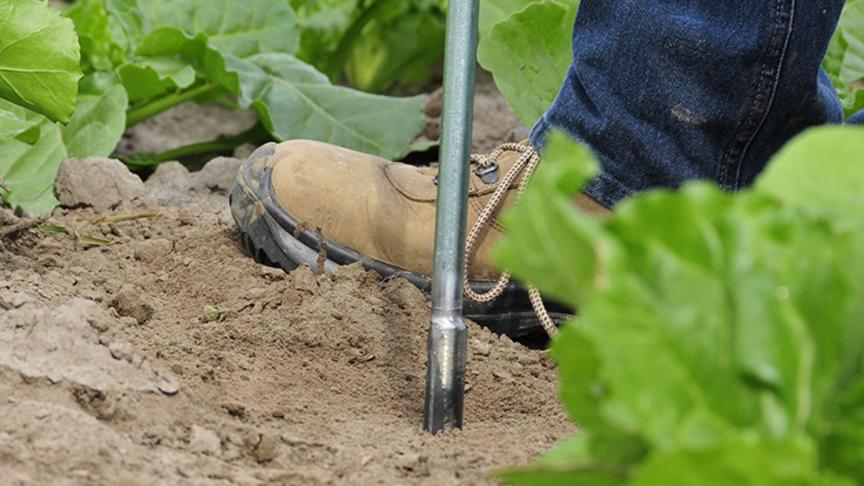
{"points": [[445, 373]]}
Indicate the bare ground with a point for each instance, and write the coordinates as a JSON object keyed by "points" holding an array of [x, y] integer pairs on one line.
{"points": [[167, 356]]}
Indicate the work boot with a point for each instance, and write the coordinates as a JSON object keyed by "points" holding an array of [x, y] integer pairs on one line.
{"points": [[309, 203]]}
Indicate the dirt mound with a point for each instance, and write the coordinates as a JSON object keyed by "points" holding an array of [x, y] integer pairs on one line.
{"points": [[150, 349]]}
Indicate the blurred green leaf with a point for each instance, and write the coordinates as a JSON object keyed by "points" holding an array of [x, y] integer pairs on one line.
{"points": [[719, 336], [555, 234], [404, 48], [836, 189], [739, 464]]}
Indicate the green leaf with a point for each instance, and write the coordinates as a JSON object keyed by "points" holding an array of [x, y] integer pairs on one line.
{"points": [[170, 54], [405, 48], [559, 476], [97, 124], [820, 171], [293, 100], [739, 463], [322, 24], [546, 223], [127, 23], [95, 128], [108, 31], [528, 55], [17, 122], [149, 77], [844, 62], [719, 335], [29, 170], [94, 33], [239, 28], [39, 58], [494, 11]]}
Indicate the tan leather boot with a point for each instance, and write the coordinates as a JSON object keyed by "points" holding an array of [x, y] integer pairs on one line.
{"points": [[308, 203]]}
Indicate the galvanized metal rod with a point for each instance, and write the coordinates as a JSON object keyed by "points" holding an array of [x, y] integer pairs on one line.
{"points": [[445, 373]]}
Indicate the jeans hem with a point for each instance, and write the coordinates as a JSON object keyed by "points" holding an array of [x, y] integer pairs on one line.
{"points": [[604, 188]]}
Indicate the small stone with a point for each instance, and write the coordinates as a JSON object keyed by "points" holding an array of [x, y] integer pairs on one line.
{"points": [[272, 274], [211, 314], [256, 294], [121, 350], [98, 182], [413, 462], [527, 359], [502, 375], [168, 387], [482, 348], [153, 250], [266, 450], [204, 441]]}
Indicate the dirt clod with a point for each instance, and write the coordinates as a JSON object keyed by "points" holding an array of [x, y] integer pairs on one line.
{"points": [[98, 182], [218, 175], [129, 303]]}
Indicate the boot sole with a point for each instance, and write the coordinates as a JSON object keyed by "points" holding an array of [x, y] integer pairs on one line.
{"points": [[274, 238]]}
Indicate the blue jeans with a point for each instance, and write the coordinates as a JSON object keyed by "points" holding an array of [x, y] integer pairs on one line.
{"points": [[666, 91]]}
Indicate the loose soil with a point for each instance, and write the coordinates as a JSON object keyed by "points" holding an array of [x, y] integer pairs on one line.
{"points": [[167, 356]]}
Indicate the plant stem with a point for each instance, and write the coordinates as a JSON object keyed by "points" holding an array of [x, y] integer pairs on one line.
{"points": [[137, 115], [254, 135]]}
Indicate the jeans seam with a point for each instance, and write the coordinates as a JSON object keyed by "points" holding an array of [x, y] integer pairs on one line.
{"points": [[763, 101]]}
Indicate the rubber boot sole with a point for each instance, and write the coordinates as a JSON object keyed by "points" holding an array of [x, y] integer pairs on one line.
{"points": [[274, 238]]}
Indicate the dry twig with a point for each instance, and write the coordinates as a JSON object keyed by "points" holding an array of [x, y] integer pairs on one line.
{"points": [[11, 229]]}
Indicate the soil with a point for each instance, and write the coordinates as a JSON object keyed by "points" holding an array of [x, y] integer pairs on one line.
{"points": [[149, 349]]}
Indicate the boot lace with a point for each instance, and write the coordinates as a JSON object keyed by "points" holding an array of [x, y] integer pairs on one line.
{"points": [[527, 163]]}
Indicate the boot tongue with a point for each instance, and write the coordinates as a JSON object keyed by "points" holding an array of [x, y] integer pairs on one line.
{"points": [[419, 183]]}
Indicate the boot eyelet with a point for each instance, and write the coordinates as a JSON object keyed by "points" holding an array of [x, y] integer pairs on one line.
{"points": [[488, 174]]}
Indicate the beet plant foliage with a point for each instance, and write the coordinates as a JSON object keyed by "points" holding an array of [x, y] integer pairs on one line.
{"points": [[720, 337], [138, 58]]}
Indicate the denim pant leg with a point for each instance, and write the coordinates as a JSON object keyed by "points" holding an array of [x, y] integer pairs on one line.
{"points": [[666, 91]]}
